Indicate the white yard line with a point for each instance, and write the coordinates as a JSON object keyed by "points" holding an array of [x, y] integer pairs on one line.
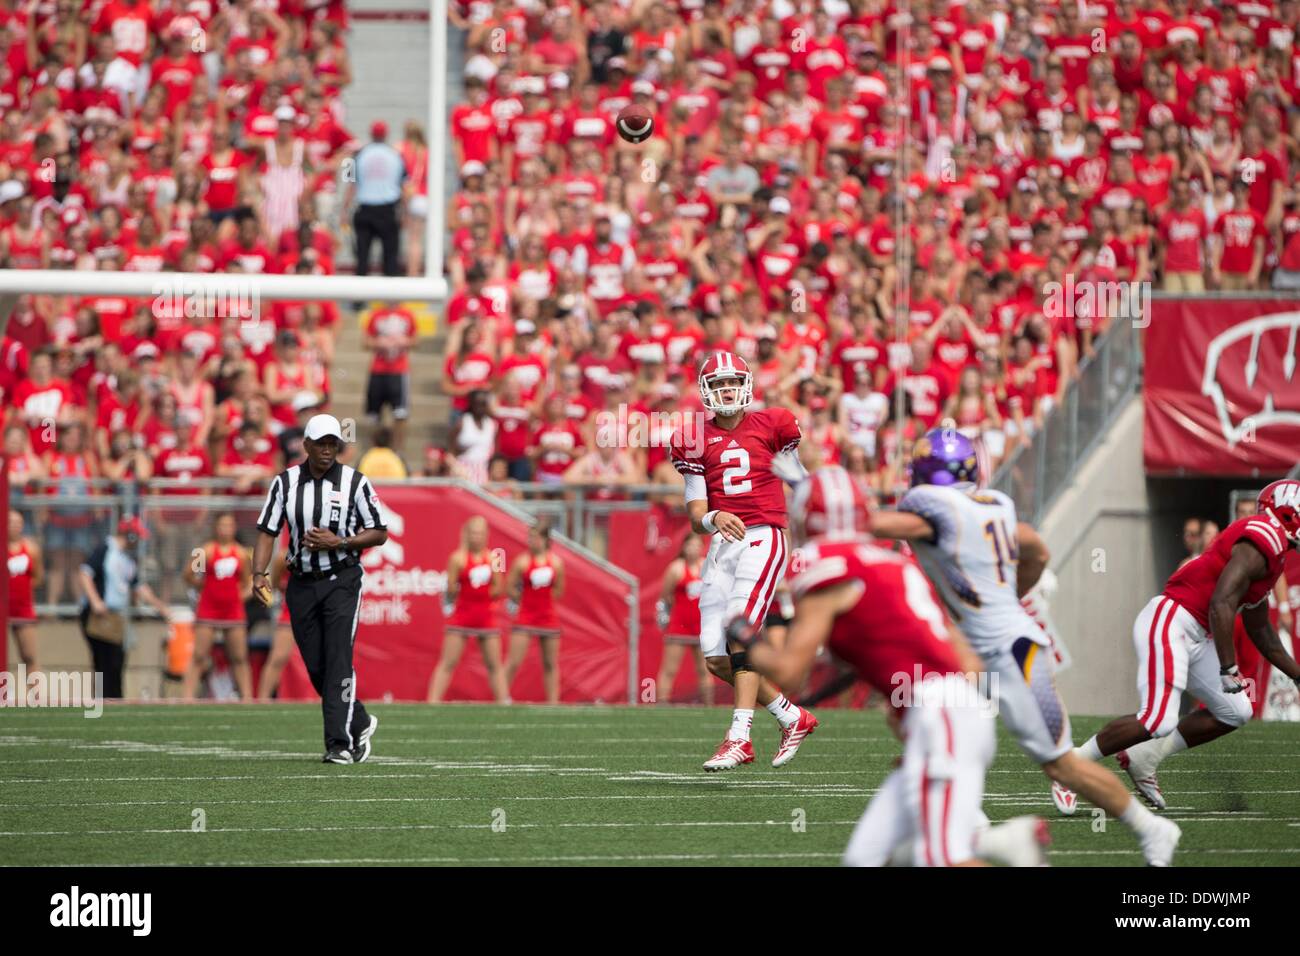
{"points": [[372, 861], [402, 827], [591, 798], [600, 858]]}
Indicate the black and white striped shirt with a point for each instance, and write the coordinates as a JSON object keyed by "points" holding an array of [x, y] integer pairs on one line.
{"points": [[342, 500]]}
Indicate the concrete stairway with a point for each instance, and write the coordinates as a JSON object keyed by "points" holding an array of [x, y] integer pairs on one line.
{"points": [[391, 71]]}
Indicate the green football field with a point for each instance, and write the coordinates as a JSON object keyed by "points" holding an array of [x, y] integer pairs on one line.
{"points": [[464, 785]]}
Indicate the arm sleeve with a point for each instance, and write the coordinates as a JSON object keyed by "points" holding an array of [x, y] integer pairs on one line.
{"points": [[1261, 533], [366, 503], [272, 518], [96, 561], [682, 459], [696, 489], [788, 433], [926, 504]]}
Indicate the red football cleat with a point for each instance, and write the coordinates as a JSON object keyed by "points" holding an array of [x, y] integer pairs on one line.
{"points": [[730, 754], [792, 737]]}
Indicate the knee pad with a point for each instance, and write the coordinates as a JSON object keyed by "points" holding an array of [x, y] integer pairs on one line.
{"points": [[1235, 710], [739, 662]]}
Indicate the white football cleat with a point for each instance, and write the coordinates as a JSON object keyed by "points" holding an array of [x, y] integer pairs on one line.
{"points": [[1144, 780], [793, 736], [1020, 841], [1159, 843], [1067, 801], [730, 754]]}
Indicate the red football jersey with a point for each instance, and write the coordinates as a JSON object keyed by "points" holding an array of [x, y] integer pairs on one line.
{"points": [[895, 628], [736, 464], [1193, 583]]}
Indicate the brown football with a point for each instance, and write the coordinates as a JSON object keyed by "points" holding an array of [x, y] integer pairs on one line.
{"points": [[635, 123]]}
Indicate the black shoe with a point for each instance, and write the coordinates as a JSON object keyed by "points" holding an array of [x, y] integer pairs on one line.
{"points": [[338, 756], [361, 752]]}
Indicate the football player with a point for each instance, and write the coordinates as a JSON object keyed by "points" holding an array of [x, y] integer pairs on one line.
{"points": [[1183, 639], [734, 493], [983, 560], [876, 611]]}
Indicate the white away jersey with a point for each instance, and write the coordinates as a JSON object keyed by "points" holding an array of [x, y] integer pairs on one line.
{"points": [[972, 561]]}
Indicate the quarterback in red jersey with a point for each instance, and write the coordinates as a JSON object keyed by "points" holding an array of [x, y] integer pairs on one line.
{"points": [[734, 492], [1184, 642], [875, 610]]}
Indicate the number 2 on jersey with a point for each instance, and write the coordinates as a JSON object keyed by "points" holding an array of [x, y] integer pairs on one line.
{"points": [[730, 486], [1005, 550]]}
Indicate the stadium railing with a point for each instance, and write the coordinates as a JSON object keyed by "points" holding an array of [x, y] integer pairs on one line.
{"points": [[179, 517], [1038, 471]]}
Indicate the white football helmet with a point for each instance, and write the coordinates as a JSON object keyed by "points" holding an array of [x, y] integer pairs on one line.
{"points": [[738, 392]]}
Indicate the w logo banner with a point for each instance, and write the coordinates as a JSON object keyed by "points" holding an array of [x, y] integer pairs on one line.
{"points": [[1222, 396]]}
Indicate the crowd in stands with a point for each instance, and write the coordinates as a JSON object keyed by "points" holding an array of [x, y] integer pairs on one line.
{"points": [[825, 173], [165, 136]]}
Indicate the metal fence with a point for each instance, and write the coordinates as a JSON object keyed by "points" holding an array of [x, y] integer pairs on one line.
{"points": [[1037, 472], [70, 518]]}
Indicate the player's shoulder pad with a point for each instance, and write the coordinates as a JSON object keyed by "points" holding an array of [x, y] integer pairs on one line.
{"points": [[1269, 538], [785, 427], [826, 564], [936, 504]]}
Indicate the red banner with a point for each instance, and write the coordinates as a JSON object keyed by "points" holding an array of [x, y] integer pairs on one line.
{"points": [[644, 543], [399, 633], [1221, 393]]}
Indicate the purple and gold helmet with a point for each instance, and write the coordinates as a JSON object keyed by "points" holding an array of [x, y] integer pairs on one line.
{"points": [[944, 456]]}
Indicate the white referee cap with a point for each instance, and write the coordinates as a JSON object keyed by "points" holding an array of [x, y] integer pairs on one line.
{"points": [[322, 426]]}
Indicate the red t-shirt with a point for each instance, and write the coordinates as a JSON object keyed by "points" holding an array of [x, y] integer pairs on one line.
{"points": [[1238, 230], [1183, 233], [395, 321]]}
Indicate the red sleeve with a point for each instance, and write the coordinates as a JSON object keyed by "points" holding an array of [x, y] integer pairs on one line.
{"points": [[786, 430], [682, 459], [1269, 539]]}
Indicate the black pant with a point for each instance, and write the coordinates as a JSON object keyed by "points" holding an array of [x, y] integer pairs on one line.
{"points": [[376, 222], [324, 618], [107, 659]]}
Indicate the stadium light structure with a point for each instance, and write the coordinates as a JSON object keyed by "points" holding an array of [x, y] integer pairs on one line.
{"points": [[431, 287]]}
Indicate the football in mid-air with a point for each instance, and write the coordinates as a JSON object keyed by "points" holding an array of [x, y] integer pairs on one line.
{"points": [[635, 123]]}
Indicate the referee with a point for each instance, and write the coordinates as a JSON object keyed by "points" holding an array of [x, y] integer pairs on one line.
{"points": [[333, 515]]}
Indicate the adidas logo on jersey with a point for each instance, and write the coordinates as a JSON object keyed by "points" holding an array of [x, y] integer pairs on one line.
{"points": [[732, 444]]}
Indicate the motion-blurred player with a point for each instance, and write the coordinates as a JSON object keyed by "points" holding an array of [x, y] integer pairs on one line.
{"points": [[876, 611], [982, 560], [1184, 641], [735, 494]]}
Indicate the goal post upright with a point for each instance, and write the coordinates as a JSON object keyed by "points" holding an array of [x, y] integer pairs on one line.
{"points": [[438, 143]]}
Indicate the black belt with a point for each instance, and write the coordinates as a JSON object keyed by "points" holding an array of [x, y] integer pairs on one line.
{"points": [[322, 575]]}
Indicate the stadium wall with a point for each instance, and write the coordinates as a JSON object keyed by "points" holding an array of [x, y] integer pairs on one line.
{"points": [[1104, 554]]}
